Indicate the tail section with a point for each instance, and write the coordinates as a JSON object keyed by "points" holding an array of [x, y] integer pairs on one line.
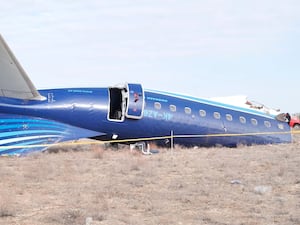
{"points": [[14, 82]]}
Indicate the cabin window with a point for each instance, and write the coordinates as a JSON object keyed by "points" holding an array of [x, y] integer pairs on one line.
{"points": [[187, 110], [157, 105], [228, 117], [173, 108], [202, 113], [267, 124], [254, 122], [217, 115], [280, 126], [242, 119]]}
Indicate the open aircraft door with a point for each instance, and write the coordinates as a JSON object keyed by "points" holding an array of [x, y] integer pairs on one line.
{"points": [[135, 101]]}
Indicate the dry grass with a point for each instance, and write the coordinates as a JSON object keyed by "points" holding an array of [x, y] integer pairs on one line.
{"points": [[6, 204], [246, 185]]}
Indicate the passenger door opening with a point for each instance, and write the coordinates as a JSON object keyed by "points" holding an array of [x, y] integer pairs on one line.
{"points": [[116, 104], [126, 101]]}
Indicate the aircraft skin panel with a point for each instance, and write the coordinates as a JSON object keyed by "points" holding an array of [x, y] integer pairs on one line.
{"points": [[211, 102], [14, 82], [16, 131], [193, 123], [70, 115]]}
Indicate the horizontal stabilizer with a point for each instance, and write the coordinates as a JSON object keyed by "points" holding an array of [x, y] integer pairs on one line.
{"points": [[14, 82]]}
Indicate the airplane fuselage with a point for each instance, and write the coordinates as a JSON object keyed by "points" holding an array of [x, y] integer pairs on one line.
{"points": [[32, 120], [121, 114]]}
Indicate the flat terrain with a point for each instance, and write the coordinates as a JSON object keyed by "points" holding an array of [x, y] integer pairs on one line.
{"points": [[245, 185]]}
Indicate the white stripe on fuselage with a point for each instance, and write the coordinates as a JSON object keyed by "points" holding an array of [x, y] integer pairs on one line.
{"points": [[18, 139], [212, 103]]}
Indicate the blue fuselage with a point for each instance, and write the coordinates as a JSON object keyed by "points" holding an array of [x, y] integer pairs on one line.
{"points": [[201, 122]]}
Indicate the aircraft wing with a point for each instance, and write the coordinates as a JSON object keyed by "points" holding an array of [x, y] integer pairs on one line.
{"points": [[14, 82]]}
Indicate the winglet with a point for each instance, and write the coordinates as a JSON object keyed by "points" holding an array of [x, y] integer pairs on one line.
{"points": [[14, 82]]}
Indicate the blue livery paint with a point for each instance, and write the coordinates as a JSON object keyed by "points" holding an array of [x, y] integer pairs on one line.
{"points": [[17, 132], [135, 101], [69, 114], [31, 119]]}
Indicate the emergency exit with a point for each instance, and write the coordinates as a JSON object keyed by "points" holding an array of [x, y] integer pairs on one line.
{"points": [[135, 101]]}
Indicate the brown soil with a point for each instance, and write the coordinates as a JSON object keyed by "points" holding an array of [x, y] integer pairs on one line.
{"points": [[244, 185]]}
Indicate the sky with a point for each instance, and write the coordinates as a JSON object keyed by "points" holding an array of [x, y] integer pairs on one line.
{"points": [[201, 48]]}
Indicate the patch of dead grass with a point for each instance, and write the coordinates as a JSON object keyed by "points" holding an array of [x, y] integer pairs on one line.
{"points": [[179, 186]]}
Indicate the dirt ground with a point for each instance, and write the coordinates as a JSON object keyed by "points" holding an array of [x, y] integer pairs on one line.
{"points": [[239, 186]]}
